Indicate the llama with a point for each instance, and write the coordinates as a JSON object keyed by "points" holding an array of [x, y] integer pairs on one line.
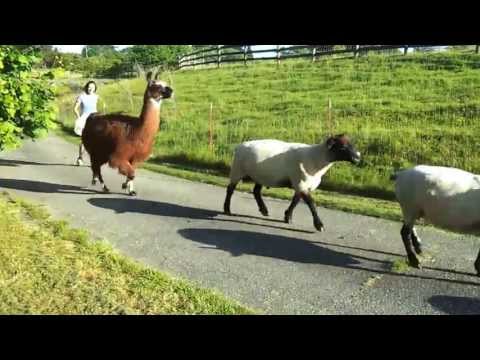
{"points": [[125, 141]]}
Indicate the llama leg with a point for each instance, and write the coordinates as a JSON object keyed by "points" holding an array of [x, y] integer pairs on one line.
{"points": [[97, 174], [124, 185], [228, 198], [417, 243], [311, 204], [288, 214], [258, 197], [477, 264], [406, 233], [127, 169], [80, 154]]}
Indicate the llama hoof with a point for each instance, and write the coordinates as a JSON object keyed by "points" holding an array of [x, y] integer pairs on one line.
{"points": [[94, 182], [287, 219], [227, 212], [264, 212], [106, 189], [79, 162], [124, 186], [132, 193]]}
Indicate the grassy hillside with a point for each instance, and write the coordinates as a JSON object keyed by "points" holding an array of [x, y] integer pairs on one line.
{"points": [[399, 111]]}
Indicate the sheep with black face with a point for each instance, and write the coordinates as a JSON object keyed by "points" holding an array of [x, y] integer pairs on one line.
{"points": [[274, 163]]}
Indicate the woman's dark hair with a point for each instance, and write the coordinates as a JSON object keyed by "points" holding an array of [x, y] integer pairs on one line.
{"points": [[85, 88]]}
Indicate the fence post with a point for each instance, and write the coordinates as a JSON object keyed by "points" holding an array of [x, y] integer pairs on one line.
{"points": [[355, 51], [405, 51], [245, 55], [218, 56], [477, 48], [329, 116], [314, 53], [278, 54], [210, 129]]}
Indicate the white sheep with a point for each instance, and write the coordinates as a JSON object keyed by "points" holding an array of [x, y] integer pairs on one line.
{"points": [[274, 163], [448, 198]]}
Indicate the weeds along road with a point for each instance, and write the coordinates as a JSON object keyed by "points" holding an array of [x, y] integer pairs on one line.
{"points": [[177, 226]]}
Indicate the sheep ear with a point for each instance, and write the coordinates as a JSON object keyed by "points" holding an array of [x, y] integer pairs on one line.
{"points": [[330, 142], [149, 76]]}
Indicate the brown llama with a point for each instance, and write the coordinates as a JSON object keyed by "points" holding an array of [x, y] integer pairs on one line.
{"points": [[125, 141]]}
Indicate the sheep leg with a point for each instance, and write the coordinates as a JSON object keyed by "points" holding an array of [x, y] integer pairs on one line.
{"points": [[406, 233], [477, 264], [288, 214], [226, 205], [258, 197], [417, 244], [311, 204]]}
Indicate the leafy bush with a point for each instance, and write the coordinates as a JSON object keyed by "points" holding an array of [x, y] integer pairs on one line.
{"points": [[26, 99]]}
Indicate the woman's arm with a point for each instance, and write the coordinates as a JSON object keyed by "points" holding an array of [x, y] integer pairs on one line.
{"points": [[76, 108]]}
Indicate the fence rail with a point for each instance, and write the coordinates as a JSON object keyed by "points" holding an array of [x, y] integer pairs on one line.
{"points": [[219, 54]]}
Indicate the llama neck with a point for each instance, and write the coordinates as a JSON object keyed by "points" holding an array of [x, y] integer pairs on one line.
{"points": [[149, 118]]}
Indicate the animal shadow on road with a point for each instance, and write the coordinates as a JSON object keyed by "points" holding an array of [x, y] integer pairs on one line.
{"points": [[256, 243], [5, 162], [238, 243], [456, 305], [43, 187], [173, 210]]}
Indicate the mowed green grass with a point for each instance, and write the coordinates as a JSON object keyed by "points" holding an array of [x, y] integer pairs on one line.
{"points": [[399, 111], [46, 267]]}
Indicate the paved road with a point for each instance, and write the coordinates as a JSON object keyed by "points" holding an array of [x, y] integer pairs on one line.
{"points": [[177, 226]]}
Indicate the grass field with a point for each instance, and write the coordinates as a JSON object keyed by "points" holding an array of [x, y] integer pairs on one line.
{"points": [[399, 111], [46, 267]]}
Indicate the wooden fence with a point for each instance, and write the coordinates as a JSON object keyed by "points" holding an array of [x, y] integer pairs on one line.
{"points": [[220, 54]]}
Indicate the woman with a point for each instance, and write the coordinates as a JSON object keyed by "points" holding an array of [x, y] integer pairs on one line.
{"points": [[85, 105]]}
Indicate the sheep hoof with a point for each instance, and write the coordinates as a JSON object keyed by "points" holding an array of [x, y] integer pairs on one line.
{"points": [[413, 262]]}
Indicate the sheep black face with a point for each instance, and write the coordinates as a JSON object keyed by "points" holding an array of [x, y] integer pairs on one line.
{"points": [[341, 149]]}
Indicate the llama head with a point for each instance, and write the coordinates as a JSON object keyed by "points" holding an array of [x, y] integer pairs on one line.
{"points": [[157, 89], [341, 149]]}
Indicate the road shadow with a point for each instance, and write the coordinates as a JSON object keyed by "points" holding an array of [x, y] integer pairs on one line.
{"points": [[44, 187], [282, 247], [5, 162], [239, 243], [172, 210], [456, 305]]}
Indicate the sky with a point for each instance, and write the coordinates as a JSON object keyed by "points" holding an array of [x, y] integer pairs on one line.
{"points": [[78, 49]]}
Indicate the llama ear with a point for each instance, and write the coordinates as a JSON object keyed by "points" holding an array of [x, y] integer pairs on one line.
{"points": [[149, 76]]}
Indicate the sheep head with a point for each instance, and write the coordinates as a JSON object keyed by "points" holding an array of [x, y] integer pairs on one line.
{"points": [[341, 149]]}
